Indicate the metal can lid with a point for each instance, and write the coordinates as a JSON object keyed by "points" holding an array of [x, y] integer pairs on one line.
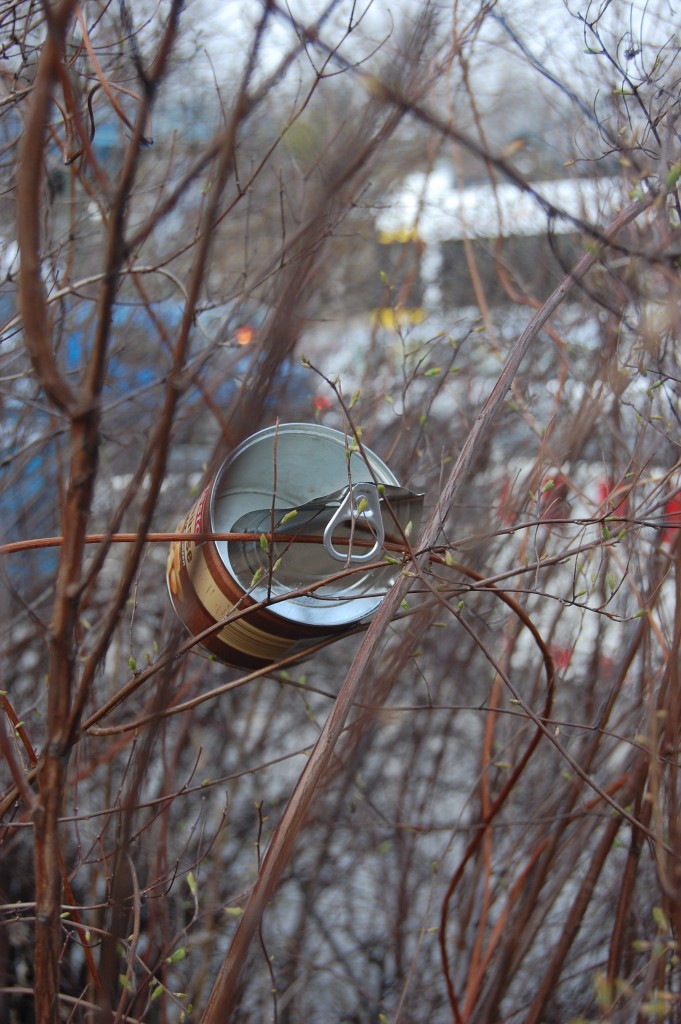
{"points": [[306, 470]]}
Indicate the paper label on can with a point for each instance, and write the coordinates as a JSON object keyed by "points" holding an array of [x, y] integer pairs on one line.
{"points": [[193, 522], [200, 601], [183, 552]]}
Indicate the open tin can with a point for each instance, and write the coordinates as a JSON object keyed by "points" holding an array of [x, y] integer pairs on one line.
{"points": [[321, 512]]}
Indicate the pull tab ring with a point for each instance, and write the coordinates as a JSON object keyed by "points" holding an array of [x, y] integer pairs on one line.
{"points": [[360, 503]]}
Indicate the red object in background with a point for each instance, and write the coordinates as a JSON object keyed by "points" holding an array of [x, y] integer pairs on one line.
{"points": [[562, 656], [553, 498], [672, 519], [608, 494], [321, 403], [244, 335]]}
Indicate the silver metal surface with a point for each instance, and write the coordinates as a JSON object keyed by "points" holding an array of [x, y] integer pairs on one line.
{"points": [[307, 480]]}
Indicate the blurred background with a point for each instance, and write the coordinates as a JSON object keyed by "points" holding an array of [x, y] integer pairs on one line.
{"points": [[346, 215]]}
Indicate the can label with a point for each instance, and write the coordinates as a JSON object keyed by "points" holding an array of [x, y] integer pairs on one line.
{"points": [[181, 561], [203, 593]]}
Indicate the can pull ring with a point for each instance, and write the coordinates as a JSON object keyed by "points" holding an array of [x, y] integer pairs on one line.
{"points": [[360, 503]]}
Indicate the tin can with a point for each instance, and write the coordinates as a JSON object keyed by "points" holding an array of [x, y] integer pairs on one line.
{"points": [[320, 511]]}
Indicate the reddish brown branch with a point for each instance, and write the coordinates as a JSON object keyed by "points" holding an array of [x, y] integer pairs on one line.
{"points": [[32, 296]]}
